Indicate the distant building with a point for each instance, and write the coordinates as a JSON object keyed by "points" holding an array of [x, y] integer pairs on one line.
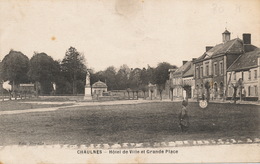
{"points": [[211, 67], [246, 67], [98, 88], [188, 82], [176, 80]]}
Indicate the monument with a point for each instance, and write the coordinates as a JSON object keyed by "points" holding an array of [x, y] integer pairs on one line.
{"points": [[87, 88]]}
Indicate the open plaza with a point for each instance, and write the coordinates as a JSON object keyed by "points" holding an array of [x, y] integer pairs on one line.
{"points": [[134, 121]]}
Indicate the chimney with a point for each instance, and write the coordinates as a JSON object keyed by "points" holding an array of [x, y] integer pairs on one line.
{"points": [[183, 62], [226, 36], [247, 38], [208, 48]]}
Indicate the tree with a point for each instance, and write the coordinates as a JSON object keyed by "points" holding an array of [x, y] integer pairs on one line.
{"points": [[74, 69], [162, 75], [144, 89], [122, 77], [43, 70], [110, 78], [135, 80], [15, 67], [94, 77], [146, 76]]}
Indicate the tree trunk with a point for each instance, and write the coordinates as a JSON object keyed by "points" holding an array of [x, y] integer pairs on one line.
{"points": [[2, 91], [144, 95], [133, 95], [37, 88], [137, 95], [74, 85], [14, 91], [161, 95], [171, 94], [128, 95], [151, 95]]}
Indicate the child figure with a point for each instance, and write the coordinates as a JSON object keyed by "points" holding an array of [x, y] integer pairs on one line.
{"points": [[183, 117]]}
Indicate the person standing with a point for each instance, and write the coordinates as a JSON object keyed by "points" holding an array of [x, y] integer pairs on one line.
{"points": [[183, 117]]}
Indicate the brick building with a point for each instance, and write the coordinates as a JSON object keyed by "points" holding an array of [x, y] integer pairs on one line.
{"points": [[211, 67], [246, 68]]}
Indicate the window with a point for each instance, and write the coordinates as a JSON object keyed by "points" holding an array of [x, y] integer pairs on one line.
{"points": [[221, 68], [207, 70], [255, 74], [249, 91], [197, 72], [249, 75], [215, 69], [201, 71], [235, 77]]}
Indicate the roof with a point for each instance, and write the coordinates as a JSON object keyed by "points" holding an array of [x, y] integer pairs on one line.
{"points": [[189, 73], [231, 46], [226, 32], [99, 84], [183, 68], [245, 61]]}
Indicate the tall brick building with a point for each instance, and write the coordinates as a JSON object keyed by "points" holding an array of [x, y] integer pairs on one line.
{"points": [[211, 67]]}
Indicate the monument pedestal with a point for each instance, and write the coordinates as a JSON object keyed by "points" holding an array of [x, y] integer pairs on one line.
{"points": [[87, 93]]}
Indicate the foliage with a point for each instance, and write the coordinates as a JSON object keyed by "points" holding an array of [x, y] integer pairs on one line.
{"points": [[44, 70], [122, 77], [110, 78], [135, 79], [94, 77], [15, 66], [74, 69], [162, 75]]}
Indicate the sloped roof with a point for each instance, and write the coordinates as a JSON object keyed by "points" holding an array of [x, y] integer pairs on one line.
{"points": [[245, 61], [183, 68], [226, 32], [99, 84], [189, 72], [231, 46]]}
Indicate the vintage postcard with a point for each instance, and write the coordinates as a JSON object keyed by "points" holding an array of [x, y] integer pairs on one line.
{"points": [[129, 81]]}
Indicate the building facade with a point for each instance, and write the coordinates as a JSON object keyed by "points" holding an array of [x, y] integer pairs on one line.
{"points": [[246, 69], [211, 68], [178, 87]]}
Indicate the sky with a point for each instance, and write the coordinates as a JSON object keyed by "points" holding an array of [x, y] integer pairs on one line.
{"points": [[117, 32]]}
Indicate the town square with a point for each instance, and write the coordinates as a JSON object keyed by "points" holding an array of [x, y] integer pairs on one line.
{"points": [[149, 81]]}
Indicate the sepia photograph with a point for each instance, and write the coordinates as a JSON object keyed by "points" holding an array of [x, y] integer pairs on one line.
{"points": [[129, 81]]}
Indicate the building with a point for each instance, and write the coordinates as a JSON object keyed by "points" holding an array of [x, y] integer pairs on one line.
{"points": [[176, 80], [98, 88], [211, 67], [245, 68], [188, 82]]}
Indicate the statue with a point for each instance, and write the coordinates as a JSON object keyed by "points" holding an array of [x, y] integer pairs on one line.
{"points": [[88, 79], [88, 95]]}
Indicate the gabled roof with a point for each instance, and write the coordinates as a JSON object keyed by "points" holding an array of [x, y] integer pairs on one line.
{"points": [[99, 84], [231, 46], [245, 61]]}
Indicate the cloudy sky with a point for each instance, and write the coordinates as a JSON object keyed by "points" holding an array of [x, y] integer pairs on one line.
{"points": [[117, 32]]}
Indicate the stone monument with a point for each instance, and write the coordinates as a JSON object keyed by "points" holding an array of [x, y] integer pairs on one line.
{"points": [[87, 88]]}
